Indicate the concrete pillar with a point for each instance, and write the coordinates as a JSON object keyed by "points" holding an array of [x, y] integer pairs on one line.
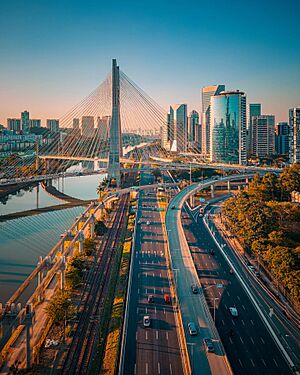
{"points": [[62, 274], [228, 186], [80, 241], [28, 324], [92, 221], [212, 189]]}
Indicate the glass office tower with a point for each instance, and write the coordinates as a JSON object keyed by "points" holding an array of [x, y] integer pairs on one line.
{"points": [[228, 128]]}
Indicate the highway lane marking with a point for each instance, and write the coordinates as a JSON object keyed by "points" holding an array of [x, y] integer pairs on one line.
{"points": [[243, 307], [156, 335], [252, 340], [153, 290], [240, 362], [153, 274], [136, 336], [233, 322], [146, 291], [262, 340], [275, 362], [230, 340], [252, 362], [171, 371], [160, 275], [167, 335], [164, 311], [138, 291], [158, 367], [155, 309], [146, 368], [146, 335], [263, 362], [162, 291], [223, 322], [137, 311], [135, 368], [251, 322], [227, 293], [243, 322], [146, 309], [241, 340], [238, 298]]}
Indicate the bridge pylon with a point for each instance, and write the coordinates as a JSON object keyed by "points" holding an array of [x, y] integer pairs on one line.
{"points": [[115, 145]]}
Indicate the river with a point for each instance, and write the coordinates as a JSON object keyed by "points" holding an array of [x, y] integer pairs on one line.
{"points": [[24, 240]]}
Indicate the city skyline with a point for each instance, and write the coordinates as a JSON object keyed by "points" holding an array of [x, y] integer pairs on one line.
{"points": [[49, 65]]}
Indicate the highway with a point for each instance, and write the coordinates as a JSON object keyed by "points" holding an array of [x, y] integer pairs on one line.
{"points": [[287, 331], [248, 344], [153, 350], [193, 306]]}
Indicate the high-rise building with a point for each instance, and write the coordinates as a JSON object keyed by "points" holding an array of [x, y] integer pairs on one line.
{"points": [[253, 110], [193, 121], [263, 135], [25, 121], [87, 126], [166, 134], [178, 127], [282, 133], [294, 122], [34, 123], [14, 124], [76, 123], [53, 125], [198, 138], [207, 93], [228, 128], [103, 126]]}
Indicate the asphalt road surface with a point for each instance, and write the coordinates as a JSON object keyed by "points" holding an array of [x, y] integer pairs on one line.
{"points": [[153, 350], [248, 344]]}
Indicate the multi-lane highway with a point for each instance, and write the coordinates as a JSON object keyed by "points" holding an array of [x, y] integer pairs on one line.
{"points": [[248, 344], [153, 350]]}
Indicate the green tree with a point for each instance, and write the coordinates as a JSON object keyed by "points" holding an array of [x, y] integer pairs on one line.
{"points": [[88, 246], [290, 180], [100, 228], [59, 307]]}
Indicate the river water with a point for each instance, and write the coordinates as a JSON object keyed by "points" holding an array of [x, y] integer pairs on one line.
{"points": [[24, 240]]}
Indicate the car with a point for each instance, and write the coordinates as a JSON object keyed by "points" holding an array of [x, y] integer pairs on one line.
{"points": [[252, 268], [146, 321], [192, 329], [173, 207], [139, 222], [167, 298], [209, 345], [150, 298], [194, 289], [148, 222], [233, 311], [256, 273], [212, 252]]}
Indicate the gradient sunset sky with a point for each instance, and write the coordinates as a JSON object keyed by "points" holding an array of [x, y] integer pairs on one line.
{"points": [[54, 53]]}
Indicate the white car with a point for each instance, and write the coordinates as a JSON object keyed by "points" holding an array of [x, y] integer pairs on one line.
{"points": [[146, 321], [148, 222], [233, 311], [139, 222]]}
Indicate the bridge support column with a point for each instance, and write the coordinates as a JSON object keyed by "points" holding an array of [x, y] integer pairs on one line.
{"points": [[80, 241], [62, 274], [212, 190], [96, 165], [228, 186], [192, 201], [28, 324], [92, 222]]}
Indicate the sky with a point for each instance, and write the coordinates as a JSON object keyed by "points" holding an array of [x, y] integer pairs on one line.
{"points": [[53, 53]]}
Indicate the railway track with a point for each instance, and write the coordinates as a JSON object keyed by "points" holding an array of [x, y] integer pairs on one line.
{"points": [[84, 343]]}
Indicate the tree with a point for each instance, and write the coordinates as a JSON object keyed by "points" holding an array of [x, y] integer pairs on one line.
{"points": [[60, 307], [290, 180], [88, 246], [100, 228], [156, 173]]}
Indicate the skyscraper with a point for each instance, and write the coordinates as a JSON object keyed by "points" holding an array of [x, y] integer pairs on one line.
{"points": [[294, 122], [254, 110], [53, 125], [207, 93], [34, 123], [14, 124], [282, 133], [193, 121], [87, 126], [178, 127], [228, 128], [263, 135], [25, 121]]}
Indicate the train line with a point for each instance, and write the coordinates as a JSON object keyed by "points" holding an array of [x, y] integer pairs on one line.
{"points": [[84, 343]]}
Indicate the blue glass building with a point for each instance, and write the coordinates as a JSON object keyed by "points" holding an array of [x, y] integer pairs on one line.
{"points": [[228, 128]]}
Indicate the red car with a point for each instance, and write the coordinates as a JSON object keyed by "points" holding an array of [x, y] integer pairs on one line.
{"points": [[167, 298]]}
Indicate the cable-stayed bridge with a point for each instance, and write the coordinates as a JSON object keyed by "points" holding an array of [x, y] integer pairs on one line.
{"points": [[117, 114]]}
